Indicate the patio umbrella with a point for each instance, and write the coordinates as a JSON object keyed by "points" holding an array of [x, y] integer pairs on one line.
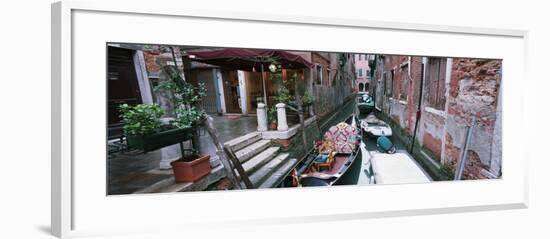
{"points": [[250, 60]]}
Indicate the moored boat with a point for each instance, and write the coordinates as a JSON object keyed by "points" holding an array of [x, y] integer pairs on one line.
{"points": [[334, 160], [375, 127], [365, 103], [396, 168]]}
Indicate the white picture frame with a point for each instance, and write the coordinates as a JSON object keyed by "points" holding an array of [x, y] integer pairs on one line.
{"points": [[85, 212]]}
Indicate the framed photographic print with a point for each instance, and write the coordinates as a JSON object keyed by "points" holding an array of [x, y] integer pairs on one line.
{"points": [[226, 117]]}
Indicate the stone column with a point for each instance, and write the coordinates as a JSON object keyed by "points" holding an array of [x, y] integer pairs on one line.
{"points": [[262, 117], [281, 117], [169, 154]]}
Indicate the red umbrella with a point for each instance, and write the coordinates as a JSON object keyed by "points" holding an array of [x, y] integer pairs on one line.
{"points": [[250, 60]]}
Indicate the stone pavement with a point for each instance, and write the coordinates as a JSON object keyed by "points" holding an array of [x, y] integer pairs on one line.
{"points": [[229, 127], [132, 171]]}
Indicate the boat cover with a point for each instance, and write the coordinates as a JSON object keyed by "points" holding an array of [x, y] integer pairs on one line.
{"points": [[396, 168], [344, 136]]}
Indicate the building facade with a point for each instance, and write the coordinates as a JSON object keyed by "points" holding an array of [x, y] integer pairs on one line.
{"points": [[363, 72], [444, 95], [228, 91]]}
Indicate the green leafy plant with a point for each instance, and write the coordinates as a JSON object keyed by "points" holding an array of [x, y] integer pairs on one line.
{"points": [[187, 116], [308, 98], [283, 94], [184, 96], [272, 114], [141, 119], [185, 99]]}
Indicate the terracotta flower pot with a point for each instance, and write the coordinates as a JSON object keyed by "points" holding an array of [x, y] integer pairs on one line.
{"points": [[191, 171], [273, 125]]}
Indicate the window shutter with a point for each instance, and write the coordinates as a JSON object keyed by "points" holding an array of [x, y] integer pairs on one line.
{"points": [[441, 82], [432, 82]]}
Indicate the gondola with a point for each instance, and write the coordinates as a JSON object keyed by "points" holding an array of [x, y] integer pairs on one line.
{"points": [[342, 164]]}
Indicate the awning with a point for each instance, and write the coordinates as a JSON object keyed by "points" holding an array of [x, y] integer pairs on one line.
{"points": [[249, 59]]}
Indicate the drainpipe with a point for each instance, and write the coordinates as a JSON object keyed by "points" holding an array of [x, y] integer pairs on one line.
{"points": [[419, 110], [300, 112], [464, 157]]}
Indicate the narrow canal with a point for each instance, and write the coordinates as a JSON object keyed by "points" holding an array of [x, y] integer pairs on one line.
{"points": [[358, 175]]}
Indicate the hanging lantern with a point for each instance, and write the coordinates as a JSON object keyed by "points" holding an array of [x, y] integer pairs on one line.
{"points": [[272, 68]]}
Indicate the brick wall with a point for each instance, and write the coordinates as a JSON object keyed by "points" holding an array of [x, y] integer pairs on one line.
{"points": [[338, 81], [156, 56], [472, 88]]}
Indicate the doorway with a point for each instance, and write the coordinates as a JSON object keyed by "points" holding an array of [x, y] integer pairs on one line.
{"points": [[232, 95], [122, 87]]}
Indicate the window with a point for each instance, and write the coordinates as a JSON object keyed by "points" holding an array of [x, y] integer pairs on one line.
{"points": [[435, 82], [361, 87], [319, 74], [388, 83], [360, 72], [404, 89]]}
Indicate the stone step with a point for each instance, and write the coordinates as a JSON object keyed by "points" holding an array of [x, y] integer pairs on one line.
{"points": [[171, 186], [243, 141], [260, 159], [246, 153], [279, 174], [258, 177]]}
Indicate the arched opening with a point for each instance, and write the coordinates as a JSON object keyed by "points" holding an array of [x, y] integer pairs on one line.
{"points": [[361, 87]]}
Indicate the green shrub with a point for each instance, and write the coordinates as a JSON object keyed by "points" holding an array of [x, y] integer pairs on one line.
{"points": [[141, 119], [308, 98]]}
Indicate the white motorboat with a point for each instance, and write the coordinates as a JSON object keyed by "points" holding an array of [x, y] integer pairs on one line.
{"points": [[397, 168], [375, 127]]}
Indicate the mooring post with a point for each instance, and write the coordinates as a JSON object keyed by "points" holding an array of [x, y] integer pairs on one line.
{"points": [[281, 117], [262, 117]]}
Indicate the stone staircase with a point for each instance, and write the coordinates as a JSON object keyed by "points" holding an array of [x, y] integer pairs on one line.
{"points": [[263, 162]]}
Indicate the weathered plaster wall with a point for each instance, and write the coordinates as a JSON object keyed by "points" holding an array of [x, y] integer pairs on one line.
{"points": [[337, 83], [403, 110], [473, 91], [155, 57], [472, 88]]}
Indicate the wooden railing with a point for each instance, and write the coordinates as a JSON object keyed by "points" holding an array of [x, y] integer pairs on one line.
{"points": [[227, 157]]}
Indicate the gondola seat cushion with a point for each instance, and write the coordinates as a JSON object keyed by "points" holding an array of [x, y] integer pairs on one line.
{"points": [[324, 161], [344, 136], [321, 158]]}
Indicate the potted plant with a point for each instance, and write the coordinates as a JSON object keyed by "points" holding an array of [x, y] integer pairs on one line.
{"points": [[192, 165], [307, 102], [145, 131], [272, 117], [308, 98], [185, 98]]}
